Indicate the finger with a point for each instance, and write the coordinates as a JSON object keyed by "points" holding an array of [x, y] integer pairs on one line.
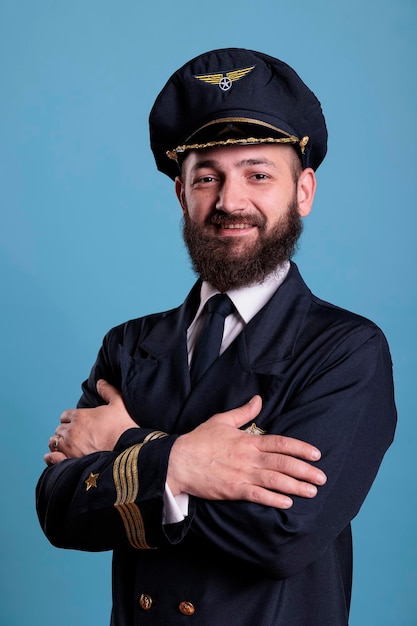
{"points": [[52, 458], [289, 446], [242, 414], [266, 497], [67, 416], [288, 484], [292, 467], [107, 391], [53, 442], [277, 494]]}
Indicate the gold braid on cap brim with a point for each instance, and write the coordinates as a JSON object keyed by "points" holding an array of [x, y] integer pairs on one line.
{"points": [[291, 139]]}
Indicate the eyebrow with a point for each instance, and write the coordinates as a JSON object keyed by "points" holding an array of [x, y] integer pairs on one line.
{"points": [[207, 163]]}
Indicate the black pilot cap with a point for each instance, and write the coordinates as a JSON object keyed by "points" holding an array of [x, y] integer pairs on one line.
{"points": [[235, 96]]}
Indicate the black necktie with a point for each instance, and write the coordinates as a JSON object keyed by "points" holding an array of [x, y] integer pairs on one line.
{"points": [[208, 345]]}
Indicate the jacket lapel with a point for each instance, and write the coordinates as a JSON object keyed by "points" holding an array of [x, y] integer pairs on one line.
{"points": [[272, 334], [155, 380]]}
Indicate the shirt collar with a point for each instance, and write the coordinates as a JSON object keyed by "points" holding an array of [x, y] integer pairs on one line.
{"points": [[249, 300]]}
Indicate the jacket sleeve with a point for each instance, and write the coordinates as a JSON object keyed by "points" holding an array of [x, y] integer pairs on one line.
{"points": [[347, 410], [95, 502], [107, 499]]}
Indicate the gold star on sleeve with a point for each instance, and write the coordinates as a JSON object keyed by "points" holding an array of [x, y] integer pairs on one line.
{"points": [[91, 481]]}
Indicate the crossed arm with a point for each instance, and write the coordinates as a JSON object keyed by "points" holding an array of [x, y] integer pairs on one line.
{"points": [[248, 488], [215, 461]]}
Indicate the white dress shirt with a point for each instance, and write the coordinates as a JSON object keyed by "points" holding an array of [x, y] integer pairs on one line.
{"points": [[247, 301]]}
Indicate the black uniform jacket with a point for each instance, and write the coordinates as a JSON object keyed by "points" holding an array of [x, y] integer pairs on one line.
{"points": [[325, 377]]}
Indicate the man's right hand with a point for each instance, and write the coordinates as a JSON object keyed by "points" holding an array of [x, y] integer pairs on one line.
{"points": [[84, 431], [217, 461]]}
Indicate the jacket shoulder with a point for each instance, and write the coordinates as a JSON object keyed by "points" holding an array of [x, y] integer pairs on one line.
{"points": [[328, 311], [135, 330]]}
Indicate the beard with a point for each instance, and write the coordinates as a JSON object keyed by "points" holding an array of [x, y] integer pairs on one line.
{"points": [[221, 261]]}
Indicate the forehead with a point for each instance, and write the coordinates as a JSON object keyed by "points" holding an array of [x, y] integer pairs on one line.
{"points": [[274, 156]]}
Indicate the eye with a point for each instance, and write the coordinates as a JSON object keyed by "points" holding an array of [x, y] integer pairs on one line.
{"points": [[207, 179], [259, 176]]}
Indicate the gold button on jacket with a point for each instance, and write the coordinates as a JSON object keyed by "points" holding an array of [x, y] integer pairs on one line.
{"points": [[186, 608], [145, 601]]}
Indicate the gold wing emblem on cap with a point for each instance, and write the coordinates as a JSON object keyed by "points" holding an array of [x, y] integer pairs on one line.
{"points": [[225, 80]]}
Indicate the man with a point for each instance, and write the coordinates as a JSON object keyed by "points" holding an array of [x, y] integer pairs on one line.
{"points": [[226, 488]]}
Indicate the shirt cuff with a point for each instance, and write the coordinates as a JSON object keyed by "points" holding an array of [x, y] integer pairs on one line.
{"points": [[175, 507]]}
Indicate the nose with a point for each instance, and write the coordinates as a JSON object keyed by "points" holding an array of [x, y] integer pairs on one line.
{"points": [[232, 196]]}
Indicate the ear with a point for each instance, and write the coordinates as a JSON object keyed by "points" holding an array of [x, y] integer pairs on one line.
{"points": [[306, 188], [179, 190]]}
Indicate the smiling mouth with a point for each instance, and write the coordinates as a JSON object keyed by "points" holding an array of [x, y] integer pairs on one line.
{"points": [[235, 222]]}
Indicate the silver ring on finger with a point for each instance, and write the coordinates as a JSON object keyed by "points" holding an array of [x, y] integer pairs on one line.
{"points": [[56, 444]]}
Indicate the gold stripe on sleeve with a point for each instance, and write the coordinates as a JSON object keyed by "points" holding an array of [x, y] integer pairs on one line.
{"points": [[126, 481], [156, 434]]}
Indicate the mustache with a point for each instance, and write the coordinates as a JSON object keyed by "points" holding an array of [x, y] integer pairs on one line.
{"points": [[219, 218]]}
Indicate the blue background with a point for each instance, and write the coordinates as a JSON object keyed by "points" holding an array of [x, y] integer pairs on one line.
{"points": [[90, 237]]}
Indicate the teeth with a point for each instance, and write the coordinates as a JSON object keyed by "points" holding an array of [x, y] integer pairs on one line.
{"points": [[239, 226]]}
